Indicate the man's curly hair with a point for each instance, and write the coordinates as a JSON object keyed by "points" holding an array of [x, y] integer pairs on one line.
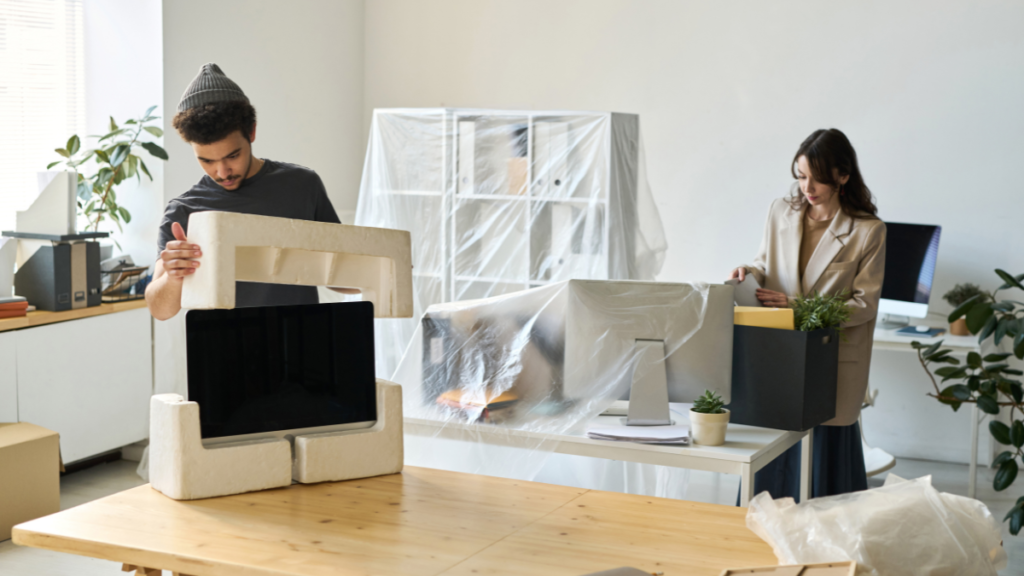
{"points": [[211, 123]]}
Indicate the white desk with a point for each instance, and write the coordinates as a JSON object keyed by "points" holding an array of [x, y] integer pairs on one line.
{"points": [[747, 449], [960, 346]]}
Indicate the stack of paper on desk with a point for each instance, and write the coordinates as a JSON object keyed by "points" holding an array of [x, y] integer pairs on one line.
{"points": [[672, 434]]}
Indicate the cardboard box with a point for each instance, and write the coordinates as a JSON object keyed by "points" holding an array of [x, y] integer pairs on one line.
{"points": [[781, 318], [29, 474], [783, 379]]}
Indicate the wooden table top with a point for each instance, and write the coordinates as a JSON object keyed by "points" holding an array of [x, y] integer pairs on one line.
{"points": [[422, 521], [41, 317]]}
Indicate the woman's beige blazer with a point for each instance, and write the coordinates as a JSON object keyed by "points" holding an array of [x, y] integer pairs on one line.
{"points": [[850, 257]]}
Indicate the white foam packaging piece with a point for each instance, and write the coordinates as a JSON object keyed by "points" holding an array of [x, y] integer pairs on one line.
{"points": [[183, 469], [246, 247], [337, 456]]}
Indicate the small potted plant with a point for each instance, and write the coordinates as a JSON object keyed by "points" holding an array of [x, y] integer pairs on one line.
{"points": [[958, 295], [708, 420]]}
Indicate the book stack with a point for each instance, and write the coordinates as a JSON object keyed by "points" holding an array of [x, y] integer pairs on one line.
{"points": [[12, 307]]}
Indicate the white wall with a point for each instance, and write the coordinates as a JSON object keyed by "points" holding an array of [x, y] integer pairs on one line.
{"points": [[300, 64], [929, 93], [124, 77]]}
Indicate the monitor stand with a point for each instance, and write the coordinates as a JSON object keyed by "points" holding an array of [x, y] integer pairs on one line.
{"points": [[894, 322], [648, 396]]}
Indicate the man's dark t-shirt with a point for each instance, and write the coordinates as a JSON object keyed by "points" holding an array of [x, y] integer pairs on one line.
{"points": [[278, 189]]}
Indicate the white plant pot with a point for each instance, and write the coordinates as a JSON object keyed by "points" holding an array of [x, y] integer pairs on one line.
{"points": [[708, 429]]}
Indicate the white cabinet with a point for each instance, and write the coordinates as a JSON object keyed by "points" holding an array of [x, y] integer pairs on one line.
{"points": [[8, 378], [499, 201], [89, 379]]}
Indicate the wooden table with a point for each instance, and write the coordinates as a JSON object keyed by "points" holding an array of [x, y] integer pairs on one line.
{"points": [[422, 521]]}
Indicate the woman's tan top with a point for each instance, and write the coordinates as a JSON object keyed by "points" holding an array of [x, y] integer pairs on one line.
{"points": [[813, 231]]}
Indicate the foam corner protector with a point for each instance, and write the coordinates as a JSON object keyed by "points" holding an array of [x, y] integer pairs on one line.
{"points": [[336, 456], [251, 248], [182, 468]]}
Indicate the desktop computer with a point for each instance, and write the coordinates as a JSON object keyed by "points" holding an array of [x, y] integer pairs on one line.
{"points": [[650, 342], [911, 254]]}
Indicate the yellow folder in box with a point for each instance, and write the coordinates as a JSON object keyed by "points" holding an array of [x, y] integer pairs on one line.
{"points": [[781, 318]]}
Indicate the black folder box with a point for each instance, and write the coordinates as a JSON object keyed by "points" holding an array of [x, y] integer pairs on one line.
{"points": [[61, 276], [783, 379]]}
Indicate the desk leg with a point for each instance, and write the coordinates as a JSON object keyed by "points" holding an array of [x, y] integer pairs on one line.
{"points": [[972, 469], [746, 485], [806, 465]]}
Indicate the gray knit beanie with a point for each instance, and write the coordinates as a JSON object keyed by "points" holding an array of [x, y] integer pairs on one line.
{"points": [[209, 86]]}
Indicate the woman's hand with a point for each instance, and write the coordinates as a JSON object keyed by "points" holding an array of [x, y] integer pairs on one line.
{"points": [[738, 274], [772, 298]]}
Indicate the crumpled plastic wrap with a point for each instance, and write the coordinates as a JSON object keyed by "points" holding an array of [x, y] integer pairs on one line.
{"points": [[903, 527], [499, 201], [501, 377]]}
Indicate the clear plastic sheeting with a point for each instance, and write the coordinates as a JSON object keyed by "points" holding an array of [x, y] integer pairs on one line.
{"points": [[500, 201], [904, 527], [492, 382]]}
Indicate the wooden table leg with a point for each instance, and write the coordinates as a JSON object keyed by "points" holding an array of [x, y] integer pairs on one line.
{"points": [[143, 571]]}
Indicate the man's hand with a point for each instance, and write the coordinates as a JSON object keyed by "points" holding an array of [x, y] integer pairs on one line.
{"points": [[179, 257], [772, 298], [178, 260], [738, 274]]}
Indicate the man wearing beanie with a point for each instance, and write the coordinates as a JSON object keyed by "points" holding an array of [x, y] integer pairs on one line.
{"points": [[215, 117]]}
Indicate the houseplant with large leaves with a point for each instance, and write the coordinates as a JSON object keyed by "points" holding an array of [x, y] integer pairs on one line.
{"points": [[115, 158], [989, 381]]}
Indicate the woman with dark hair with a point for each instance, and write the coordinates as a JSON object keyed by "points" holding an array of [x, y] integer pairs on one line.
{"points": [[825, 238]]}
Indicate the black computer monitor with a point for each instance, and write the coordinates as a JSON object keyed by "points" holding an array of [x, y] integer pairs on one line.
{"points": [[911, 252], [281, 370]]}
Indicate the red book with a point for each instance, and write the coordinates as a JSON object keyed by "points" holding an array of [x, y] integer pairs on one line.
{"points": [[14, 305], [12, 313]]}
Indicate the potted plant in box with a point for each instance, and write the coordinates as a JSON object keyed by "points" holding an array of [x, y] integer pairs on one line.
{"points": [[708, 420], [958, 295]]}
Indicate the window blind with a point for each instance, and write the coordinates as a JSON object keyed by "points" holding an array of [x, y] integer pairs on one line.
{"points": [[42, 93]]}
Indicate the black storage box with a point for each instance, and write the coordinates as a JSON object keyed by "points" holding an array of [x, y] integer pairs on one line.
{"points": [[783, 379], [61, 276]]}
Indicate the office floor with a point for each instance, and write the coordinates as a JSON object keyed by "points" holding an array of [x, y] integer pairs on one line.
{"points": [[107, 479]]}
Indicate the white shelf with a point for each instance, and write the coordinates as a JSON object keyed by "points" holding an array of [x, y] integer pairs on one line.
{"points": [[407, 193], [502, 197], [489, 279]]}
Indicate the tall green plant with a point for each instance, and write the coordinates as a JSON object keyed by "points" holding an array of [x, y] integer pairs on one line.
{"points": [[115, 160], [986, 381]]}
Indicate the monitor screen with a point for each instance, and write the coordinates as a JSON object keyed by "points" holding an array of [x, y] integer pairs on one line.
{"points": [[275, 368], [910, 254]]}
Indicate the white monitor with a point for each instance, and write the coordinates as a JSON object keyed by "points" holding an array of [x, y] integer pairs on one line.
{"points": [[911, 253], [654, 341]]}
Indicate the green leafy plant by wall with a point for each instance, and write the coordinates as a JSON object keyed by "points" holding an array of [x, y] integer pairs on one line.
{"points": [[962, 293], [115, 159], [820, 311], [709, 403], [987, 381]]}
